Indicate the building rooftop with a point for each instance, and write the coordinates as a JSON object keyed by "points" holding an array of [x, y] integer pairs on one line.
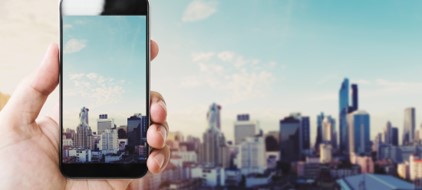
{"points": [[374, 181]]}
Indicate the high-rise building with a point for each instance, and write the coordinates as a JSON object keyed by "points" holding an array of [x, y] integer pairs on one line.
{"points": [[217, 114], [251, 155], [272, 141], [326, 152], [359, 132], [318, 140], [83, 131], [388, 133], [409, 125], [355, 100], [122, 132], [306, 132], [214, 152], [109, 142], [328, 127], [244, 128], [104, 123], [136, 130], [344, 109], [294, 137], [395, 136]]}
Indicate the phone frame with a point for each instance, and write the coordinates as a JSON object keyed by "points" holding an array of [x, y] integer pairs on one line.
{"points": [[103, 170]]}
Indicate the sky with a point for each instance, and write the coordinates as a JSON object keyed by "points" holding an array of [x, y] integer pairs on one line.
{"points": [[104, 67], [270, 58], [266, 58]]}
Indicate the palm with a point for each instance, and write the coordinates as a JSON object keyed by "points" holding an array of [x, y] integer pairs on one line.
{"points": [[29, 146], [35, 151]]}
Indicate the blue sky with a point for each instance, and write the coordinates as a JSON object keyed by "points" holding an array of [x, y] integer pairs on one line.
{"points": [[270, 58], [104, 67]]}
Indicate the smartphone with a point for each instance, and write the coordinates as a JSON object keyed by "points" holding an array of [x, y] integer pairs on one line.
{"points": [[104, 88]]}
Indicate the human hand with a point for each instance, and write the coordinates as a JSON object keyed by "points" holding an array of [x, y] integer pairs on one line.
{"points": [[29, 145]]}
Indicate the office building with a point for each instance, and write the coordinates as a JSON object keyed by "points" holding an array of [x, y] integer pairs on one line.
{"points": [[328, 127], [409, 125], [251, 156], [344, 109], [326, 153], [403, 170], [244, 128], [136, 130], [122, 132], [214, 152], [318, 140], [109, 142], [216, 112], [395, 136], [359, 132], [388, 133], [83, 131], [104, 123], [365, 163], [294, 137]]}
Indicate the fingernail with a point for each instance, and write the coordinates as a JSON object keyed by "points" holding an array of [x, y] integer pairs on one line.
{"points": [[163, 133], [159, 159]]}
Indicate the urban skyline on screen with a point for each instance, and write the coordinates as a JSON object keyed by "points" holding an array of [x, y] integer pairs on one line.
{"points": [[104, 89]]}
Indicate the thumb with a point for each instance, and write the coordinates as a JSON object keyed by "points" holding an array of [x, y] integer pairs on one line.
{"points": [[29, 97]]}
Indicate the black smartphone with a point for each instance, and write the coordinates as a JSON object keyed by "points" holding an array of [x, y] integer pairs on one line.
{"points": [[104, 88]]}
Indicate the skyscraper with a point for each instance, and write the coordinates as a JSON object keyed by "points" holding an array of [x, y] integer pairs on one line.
{"points": [[251, 156], [83, 131], [388, 133], [294, 137], [359, 132], [216, 112], [344, 109], [306, 133], [104, 123], [109, 142], [318, 140], [214, 152], [136, 130], [244, 128], [395, 136], [409, 125], [328, 125], [355, 100]]}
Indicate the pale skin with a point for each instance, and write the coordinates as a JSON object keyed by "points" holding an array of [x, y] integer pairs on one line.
{"points": [[29, 144]]}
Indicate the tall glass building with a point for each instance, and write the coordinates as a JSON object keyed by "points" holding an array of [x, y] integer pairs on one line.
{"points": [[344, 109], [294, 137], [409, 125], [359, 132]]}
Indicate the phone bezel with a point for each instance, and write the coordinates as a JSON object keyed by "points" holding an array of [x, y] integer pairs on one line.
{"points": [[104, 170]]}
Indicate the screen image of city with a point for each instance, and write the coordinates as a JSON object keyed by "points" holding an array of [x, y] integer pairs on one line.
{"points": [[104, 90]]}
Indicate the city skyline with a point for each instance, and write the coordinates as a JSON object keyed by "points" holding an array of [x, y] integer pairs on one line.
{"points": [[285, 56], [379, 45]]}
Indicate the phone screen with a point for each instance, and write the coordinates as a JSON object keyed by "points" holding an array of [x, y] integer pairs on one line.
{"points": [[104, 86]]}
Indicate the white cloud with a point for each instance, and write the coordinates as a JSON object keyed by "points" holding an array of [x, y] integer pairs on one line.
{"points": [[226, 56], [199, 10], [233, 76], [74, 45], [94, 86], [203, 56]]}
